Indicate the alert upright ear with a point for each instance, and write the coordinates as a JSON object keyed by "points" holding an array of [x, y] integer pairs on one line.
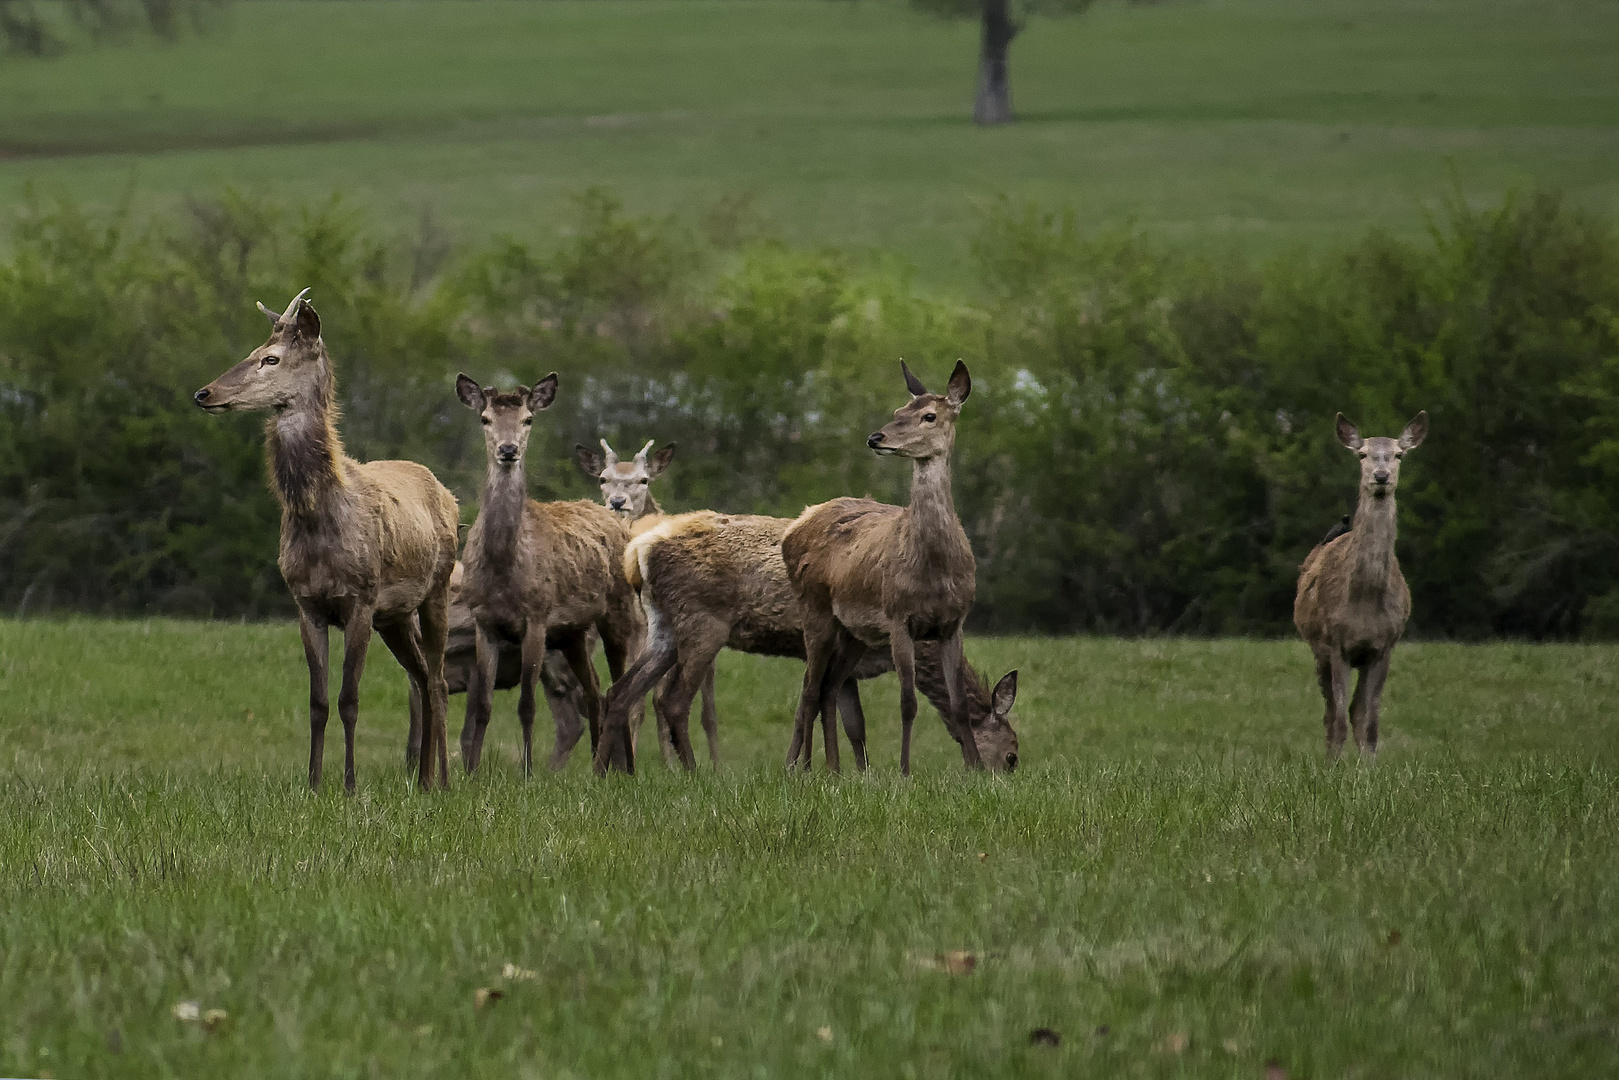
{"points": [[305, 323], [659, 461], [544, 392], [961, 384], [590, 462], [1005, 695], [912, 383], [470, 393], [1348, 434], [1415, 431]]}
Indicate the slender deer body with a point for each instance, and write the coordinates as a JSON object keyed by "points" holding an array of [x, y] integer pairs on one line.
{"points": [[363, 545], [710, 581], [874, 576], [1353, 603], [537, 571]]}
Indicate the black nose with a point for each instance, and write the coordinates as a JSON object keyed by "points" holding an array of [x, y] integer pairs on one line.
{"points": [[1011, 762], [200, 396], [507, 451], [874, 440], [618, 502], [1381, 476]]}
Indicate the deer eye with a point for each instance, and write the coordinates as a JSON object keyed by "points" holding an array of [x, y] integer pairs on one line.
{"points": [[486, 420], [1398, 454], [528, 421], [1363, 455], [270, 359], [929, 417], [646, 480]]}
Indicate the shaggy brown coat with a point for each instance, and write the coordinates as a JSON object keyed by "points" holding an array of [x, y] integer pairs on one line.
{"points": [[363, 545]]}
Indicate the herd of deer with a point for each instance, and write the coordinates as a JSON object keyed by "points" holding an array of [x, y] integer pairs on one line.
{"points": [[853, 587]]}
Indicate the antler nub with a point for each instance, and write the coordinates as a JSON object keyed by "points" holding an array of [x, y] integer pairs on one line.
{"points": [[275, 320], [612, 458], [640, 459]]}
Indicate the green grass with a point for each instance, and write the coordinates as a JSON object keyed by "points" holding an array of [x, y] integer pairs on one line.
{"points": [[1175, 861], [1241, 125]]}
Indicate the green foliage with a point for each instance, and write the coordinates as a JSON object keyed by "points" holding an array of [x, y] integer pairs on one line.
{"points": [[37, 28], [1148, 447]]}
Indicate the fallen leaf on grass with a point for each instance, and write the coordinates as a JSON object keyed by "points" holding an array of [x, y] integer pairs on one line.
{"points": [[187, 1011], [213, 1018], [1274, 1070], [1044, 1037], [513, 973], [1393, 939], [486, 994], [957, 962], [824, 1034], [1175, 1043], [983, 856], [1232, 1046]]}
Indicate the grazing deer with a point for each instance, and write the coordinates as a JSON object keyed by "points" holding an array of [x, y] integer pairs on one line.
{"points": [[536, 571], [874, 576], [710, 581], [363, 545], [1352, 603]]}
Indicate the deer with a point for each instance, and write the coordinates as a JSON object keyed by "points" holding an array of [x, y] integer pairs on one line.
{"points": [[874, 576], [626, 491], [364, 545], [1352, 603], [709, 581], [537, 571]]}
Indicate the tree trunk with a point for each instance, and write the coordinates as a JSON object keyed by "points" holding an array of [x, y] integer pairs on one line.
{"points": [[994, 102]]}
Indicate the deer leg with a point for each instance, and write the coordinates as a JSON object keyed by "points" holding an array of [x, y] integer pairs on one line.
{"points": [[845, 658], [1333, 674], [533, 659], [356, 639], [660, 710], [711, 719], [433, 625], [563, 696], [818, 647], [679, 689], [413, 739], [405, 642], [628, 688], [1369, 701], [576, 650], [950, 662], [904, 652], [854, 720], [316, 639], [623, 634], [480, 698]]}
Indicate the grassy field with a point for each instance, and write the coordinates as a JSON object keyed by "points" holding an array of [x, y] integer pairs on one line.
{"points": [[1240, 125], [1175, 883]]}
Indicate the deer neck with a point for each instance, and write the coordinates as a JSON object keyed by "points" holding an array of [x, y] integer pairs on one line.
{"points": [[306, 455], [501, 512], [1374, 534], [933, 538], [651, 509]]}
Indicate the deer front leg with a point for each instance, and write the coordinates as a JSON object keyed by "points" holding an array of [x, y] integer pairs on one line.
{"points": [[904, 652], [404, 640], [711, 720], [480, 697], [433, 625], [1333, 675], [563, 697], [950, 662], [818, 645], [577, 651], [356, 641], [533, 659], [1368, 701], [316, 638]]}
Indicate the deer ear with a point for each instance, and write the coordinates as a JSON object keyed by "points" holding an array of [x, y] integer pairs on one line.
{"points": [[590, 462], [470, 393], [1348, 434], [1415, 431], [1005, 695], [544, 392], [659, 461], [912, 383], [305, 323], [961, 384], [275, 320]]}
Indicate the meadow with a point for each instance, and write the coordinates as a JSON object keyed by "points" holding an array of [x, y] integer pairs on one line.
{"points": [[1175, 882], [1233, 125]]}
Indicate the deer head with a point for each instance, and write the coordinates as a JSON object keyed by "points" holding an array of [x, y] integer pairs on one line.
{"points": [[926, 426], [286, 370], [992, 733], [625, 485], [506, 417], [1380, 457]]}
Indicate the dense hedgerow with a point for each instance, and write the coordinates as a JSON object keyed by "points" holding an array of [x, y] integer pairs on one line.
{"points": [[1149, 445]]}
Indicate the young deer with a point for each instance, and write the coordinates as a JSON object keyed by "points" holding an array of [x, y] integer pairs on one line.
{"points": [[537, 570], [1352, 603], [873, 576], [363, 546], [709, 581]]}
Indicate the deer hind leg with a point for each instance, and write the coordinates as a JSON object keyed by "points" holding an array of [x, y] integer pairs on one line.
{"points": [[627, 689], [433, 625], [533, 660], [711, 718], [820, 642], [950, 664], [576, 648], [679, 689], [1333, 674], [404, 641], [566, 701], [854, 720], [1369, 700], [356, 640], [480, 697], [316, 638], [904, 651], [846, 656], [413, 738], [623, 636]]}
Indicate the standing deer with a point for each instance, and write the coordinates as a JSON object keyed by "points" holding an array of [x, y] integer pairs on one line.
{"points": [[537, 570], [1352, 603], [709, 581], [874, 576], [363, 545]]}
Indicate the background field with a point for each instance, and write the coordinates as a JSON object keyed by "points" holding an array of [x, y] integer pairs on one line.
{"points": [[1233, 124], [1175, 882]]}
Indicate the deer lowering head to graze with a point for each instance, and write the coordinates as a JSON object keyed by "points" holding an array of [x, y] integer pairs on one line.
{"points": [[873, 576], [537, 571], [1352, 603], [710, 581], [363, 546]]}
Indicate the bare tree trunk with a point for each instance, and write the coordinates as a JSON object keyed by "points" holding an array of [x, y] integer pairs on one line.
{"points": [[994, 102]]}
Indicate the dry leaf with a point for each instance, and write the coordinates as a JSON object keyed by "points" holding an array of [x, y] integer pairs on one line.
{"points": [[188, 1011], [486, 994], [983, 856], [1274, 1070], [1175, 1043], [959, 962], [1393, 939], [1044, 1037], [824, 1034], [513, 973], [1232, 1046], [214, 1017]]}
